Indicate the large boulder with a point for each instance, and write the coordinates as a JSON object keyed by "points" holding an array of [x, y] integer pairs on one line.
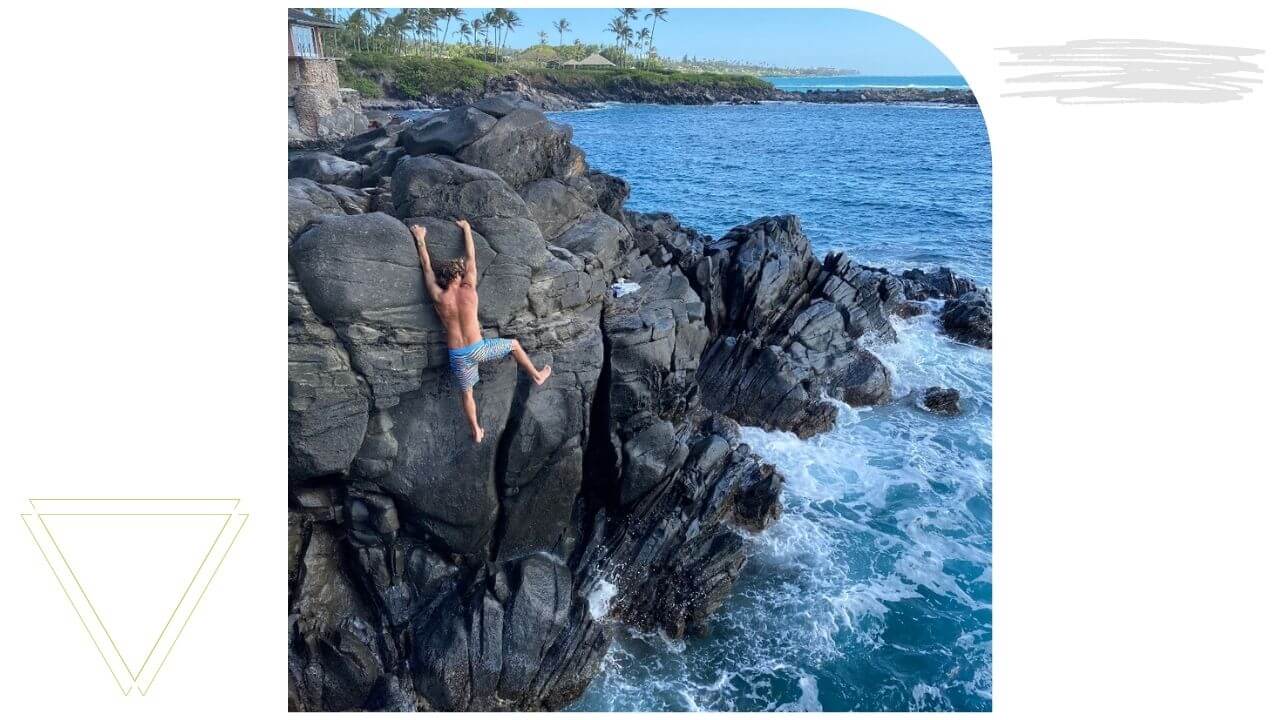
{"points": [[326, 169], [444, 188], [328, 401], [555, 205], [968, 318], [940, 283], [505, 103], [445, 133], [521, 147], [365, 146], [309, 201], [942, 401], [789, 329]]}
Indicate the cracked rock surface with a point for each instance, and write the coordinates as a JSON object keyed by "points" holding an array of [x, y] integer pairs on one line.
{"points": [[428, 572]]}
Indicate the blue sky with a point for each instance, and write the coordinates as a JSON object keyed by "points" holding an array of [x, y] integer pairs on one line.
{"points": [[800, 37]]}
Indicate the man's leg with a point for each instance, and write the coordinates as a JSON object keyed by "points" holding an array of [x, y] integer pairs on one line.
{"points": [[539, 376], [469, 407]]}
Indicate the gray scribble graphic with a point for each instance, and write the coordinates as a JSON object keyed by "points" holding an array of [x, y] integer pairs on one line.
{"points": [[1107, 71]]}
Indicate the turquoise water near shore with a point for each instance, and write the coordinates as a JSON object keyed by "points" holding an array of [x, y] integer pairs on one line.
{"points": [[873, 591], [849, 82]]}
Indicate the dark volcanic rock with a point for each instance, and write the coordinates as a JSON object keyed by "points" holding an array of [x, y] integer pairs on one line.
{"points": [[362, 148], [946, 96], [429, 572], [941, 283], [310, 201], [968, 318], [326, 169], [789, 328], [943, 401], [523, 146], [445, 133], [504, 95]]}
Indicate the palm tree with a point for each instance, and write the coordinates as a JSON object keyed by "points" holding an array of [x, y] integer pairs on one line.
{"points": [[642, 40], [542, 37], [510, 21], [357, 24], [627, 15], [561, 26], [620, 30], [448, 15], [376, 16], [426, 23], [657, 14], [493, 20], [464, 31], [480, 26], [627, 34]]}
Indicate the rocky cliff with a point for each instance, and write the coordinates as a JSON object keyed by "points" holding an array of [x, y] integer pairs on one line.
{"points": [[429, 572]]}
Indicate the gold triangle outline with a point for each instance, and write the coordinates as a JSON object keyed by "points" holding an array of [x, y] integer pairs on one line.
{"points": [[244, 518], [101, 623], [26, 521]]}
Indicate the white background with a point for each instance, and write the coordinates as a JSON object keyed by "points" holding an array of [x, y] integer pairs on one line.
{"points": [[1135, 270]]}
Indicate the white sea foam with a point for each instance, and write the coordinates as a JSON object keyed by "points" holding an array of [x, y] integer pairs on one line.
{"points": [[600, 599], [878, 522]]}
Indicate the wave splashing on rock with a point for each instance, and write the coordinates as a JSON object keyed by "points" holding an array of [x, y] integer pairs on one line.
{"points": [[428, 572]]}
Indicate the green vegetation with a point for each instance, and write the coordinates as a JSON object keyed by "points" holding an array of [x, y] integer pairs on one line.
{"points": [[416, 76], [372, 38], [351, 78], [413, 76], [366, 87], [616, 79], [417, 52]]}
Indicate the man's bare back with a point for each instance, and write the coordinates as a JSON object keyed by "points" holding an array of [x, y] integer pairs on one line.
{"points": [[459, 311], [452, 289]]}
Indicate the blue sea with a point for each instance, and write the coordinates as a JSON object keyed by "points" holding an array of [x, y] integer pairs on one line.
{"points": [[873, 591], [849, 82]]}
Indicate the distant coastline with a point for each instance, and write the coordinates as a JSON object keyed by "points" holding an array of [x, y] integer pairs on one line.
{"points": [[563, 89], [848, 81]]}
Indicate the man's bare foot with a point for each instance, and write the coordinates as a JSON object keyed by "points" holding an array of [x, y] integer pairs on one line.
{"points": [[478, 433], [542, 375]]}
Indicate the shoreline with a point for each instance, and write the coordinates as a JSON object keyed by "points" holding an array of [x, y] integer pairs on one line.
{"points": [[497, 576], [551, 92]]}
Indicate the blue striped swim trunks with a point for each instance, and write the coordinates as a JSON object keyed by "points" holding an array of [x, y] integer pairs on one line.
{"points": [[464, 362]]}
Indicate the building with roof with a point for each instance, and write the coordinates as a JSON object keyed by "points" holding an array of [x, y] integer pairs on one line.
{"points": [[594, 60], [318, 108]]}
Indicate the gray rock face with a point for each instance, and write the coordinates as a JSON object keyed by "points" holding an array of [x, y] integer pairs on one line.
{"points": [[328, 401], [968, 318], [429, 572], [364, 147], [789, 329], [941, 283], [521, 147], [326, 169], [512, 92], [442, 187], [446, 133], [309, 201], [505, 103]]}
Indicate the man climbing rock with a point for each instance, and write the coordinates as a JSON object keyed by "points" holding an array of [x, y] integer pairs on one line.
{"points": [[452, 289]]}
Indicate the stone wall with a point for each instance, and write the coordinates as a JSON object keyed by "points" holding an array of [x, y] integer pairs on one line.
{"points": [[317, 108]]}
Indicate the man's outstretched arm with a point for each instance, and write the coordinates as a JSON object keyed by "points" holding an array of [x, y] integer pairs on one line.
{"points": [[472, 271], [420, 239]]}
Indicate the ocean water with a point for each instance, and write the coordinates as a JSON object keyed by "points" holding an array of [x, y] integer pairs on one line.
{"points": [[847, 82], [873, 591], [896, 186]]}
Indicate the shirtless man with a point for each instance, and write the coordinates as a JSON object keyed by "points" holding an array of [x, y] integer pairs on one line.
{"points": [[452, 288]]}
